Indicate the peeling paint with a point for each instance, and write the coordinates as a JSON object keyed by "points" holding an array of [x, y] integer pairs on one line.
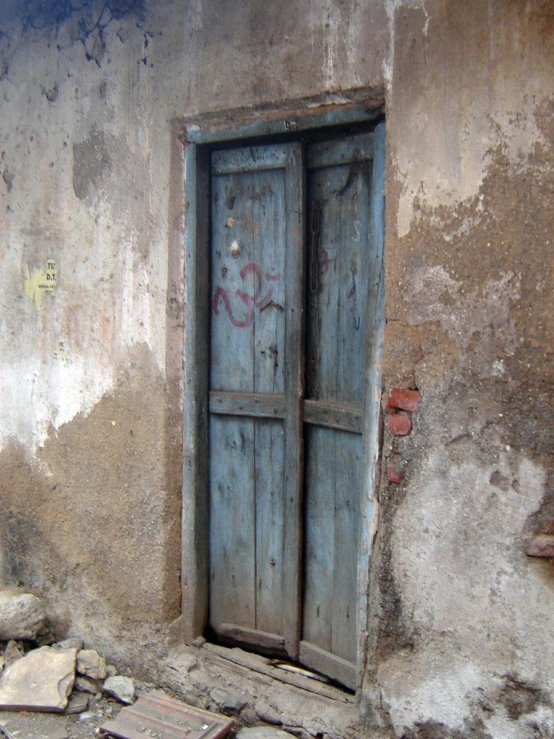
{"points": [[39, 283]]}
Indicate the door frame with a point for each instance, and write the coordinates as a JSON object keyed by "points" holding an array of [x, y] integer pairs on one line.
{"points": [[196, 140]]}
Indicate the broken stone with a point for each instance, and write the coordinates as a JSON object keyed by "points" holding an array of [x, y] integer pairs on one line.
{"points": [[228, 700], [12, 653], [1, 662], [21, 615], [78, 703], [121, 688], [112, 670], [69, 644], [87, 685], [263, 732], [267, 712], [91, 664], [187, 662], [40, 681], [198, 642]]}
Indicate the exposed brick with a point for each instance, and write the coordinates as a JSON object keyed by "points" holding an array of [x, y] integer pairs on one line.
{"points": [[542, 546], [400, 424], [406, 400], [394, 476]]}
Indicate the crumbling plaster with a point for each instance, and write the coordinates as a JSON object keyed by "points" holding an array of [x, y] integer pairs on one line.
{"points": [[461, 628], [90, 425]]}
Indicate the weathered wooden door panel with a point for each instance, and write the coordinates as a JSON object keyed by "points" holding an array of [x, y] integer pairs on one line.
{"points": [[339, 176], [256, 283], [269, 338]]}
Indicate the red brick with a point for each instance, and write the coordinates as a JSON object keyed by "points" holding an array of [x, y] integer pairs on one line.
{"points": [[406, 400], [400, 424], [394, 476], [542, 546]]}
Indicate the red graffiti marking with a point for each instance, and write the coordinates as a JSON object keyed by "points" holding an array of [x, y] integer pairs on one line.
{"points": [[326, 262], [221, 294], [250, 301]]}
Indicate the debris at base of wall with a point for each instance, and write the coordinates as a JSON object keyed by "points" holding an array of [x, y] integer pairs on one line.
{"points": [[42, 680], [121, 688], [263, 732], [21, 615]]}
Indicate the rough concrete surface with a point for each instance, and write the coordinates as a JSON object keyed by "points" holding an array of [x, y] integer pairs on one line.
{"points": [[462, 625], [92, 308]]}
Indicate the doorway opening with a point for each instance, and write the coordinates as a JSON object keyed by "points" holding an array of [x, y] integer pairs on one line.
{"points": [[284, 284]]}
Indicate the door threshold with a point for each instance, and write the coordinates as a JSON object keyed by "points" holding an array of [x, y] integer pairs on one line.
{"points": [[248, 688], [261, 664]]}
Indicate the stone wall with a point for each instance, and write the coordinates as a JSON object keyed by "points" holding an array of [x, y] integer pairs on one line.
{"points": [[91, 419]]}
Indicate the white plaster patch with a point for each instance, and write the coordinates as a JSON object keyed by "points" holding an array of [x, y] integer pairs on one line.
{"points": [[438, 693], [467, 584], [37, 396]]}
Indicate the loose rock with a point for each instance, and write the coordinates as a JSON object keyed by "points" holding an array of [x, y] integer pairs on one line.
{"points": [[21, 615], [40, 681], [78, 703], [228, 700], [121, 688], [267, 712], [91, 664], [12, 653], [263, 732], [112, 670], [71, 643], [87, 685]]}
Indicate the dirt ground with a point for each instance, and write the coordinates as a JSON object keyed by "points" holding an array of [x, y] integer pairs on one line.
{"points": [[36, 725]]}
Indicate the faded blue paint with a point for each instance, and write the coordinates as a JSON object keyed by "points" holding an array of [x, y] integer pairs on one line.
{"points": [[350, 114], [376, 328]]}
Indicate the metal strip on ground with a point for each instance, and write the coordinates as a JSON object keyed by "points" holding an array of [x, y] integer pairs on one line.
{"points": [[157, 716]]}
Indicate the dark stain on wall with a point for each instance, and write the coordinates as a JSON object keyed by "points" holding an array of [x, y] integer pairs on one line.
{"points": [[91, 159], [93, 524]]}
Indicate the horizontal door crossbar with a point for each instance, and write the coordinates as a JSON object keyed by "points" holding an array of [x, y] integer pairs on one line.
{"points": [[333, 415], [257, 405]]}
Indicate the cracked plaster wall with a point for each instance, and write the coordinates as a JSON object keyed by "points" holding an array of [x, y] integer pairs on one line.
{"points": [[461, 630], [91, 311], [91, 395]]}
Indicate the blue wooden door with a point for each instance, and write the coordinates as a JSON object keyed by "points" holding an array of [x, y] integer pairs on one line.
{"points": [[287, 388], [339, 268], [255, 389]]}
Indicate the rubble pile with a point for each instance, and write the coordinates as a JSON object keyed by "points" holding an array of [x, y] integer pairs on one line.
{"points": [[53, 689], [37, 673]]}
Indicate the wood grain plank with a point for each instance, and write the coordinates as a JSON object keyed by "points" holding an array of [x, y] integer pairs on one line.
{"points": [[347, 502], [232, 522], [194, 552], [266, 405], [333, 415], [336, 325], [329, 664], [270, 524], [220, 655], [249, 159], [332, 153], [294, 386], [319, 545], [232, 326], [268, 642], [374, 352]]}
